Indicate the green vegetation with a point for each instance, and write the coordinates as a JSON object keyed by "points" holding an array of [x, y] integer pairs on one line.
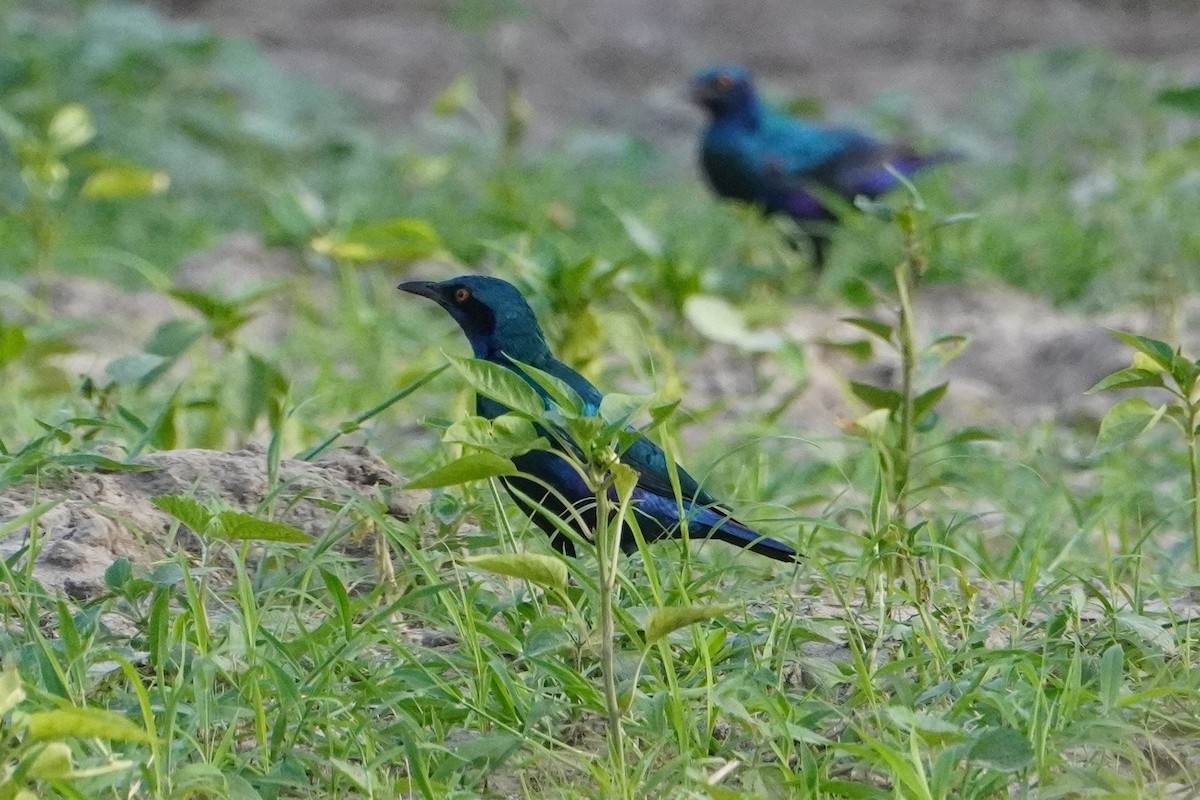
{"points": [[980, 614]]}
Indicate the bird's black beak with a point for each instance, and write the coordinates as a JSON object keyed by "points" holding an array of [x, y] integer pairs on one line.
{"points": [[430, 289]]}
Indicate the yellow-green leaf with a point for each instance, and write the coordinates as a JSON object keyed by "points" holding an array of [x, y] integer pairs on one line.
{"points": [[123, 181], [86, 723], [663, 621], [52, 763], [11, 691], [402, 239], [71, 127], [536, 568], [1126, 421]]}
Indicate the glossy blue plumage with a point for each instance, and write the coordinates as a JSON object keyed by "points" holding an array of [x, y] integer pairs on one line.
{"points": [[752, 153], [501, 328]]}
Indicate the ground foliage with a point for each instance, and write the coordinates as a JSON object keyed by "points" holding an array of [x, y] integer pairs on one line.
{"points": [[980, 614]]}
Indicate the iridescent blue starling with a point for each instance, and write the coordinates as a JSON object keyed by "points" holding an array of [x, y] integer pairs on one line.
{"points": [[755, 154], [501, 328]]}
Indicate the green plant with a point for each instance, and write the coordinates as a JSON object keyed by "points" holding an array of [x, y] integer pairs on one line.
{"points": [[1157, 365]]}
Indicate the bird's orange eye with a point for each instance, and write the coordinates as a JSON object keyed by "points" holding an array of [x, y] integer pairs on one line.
{"points": [[724, 81], [462, 294]]}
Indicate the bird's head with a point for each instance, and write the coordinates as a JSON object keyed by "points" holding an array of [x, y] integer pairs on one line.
{"points": [[724, 89], [491, 312]]}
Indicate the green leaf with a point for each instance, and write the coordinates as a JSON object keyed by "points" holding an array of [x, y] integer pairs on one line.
{"points": [[188, 510], [11, 690], [881, 329], [13, 342], [85, 723], [507, 435], [644, 239], [172, 338], [663, 621], [925, 401], [400, 239], [118, 574], [1126, 421], [930, 727], [876, 396], [1132, 378], [1181, 98], [459, 95], [1002, 749], [70, 128], [124, 182], [471, 467], [542, 570], [720, 322], [968, 435], [134, 368], [558, 390], [52, 763], [1112, 673], [1160, 353], [502, 385], [241, 526]]}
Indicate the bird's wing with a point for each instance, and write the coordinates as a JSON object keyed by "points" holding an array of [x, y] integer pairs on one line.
{"points": [[801, 149], [646, 458]]}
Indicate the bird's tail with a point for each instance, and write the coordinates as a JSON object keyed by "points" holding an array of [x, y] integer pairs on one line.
{"points": [[724, 527]]}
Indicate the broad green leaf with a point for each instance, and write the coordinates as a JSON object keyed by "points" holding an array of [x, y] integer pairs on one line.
{"points": [[507, 435], [85, 723], [558, 390], [1126, 421], [188, 510], [536, 568], [71, 127], [1112, 674], [52, 763], [401, 239], [123, 181], [502, 385], [720, 322], [876, 396], [13, 342], [241, 526], [925, 401], [881, 329], [173, 338], [929, 727], [471, 467], [1160, 353], [663, 621], [134, 368], [1001, 749], [119, 573], [1131, 378], [1181, 98], [11, 690]]}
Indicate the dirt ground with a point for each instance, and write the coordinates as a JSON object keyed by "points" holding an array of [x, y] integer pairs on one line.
{"points": [[621, 65]]}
